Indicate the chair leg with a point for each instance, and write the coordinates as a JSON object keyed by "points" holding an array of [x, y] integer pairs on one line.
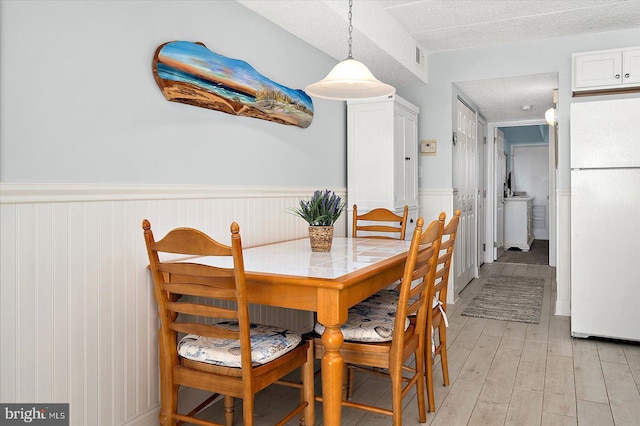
{"points": [[442, 338], [228, 410], [169, 406], [307, 418], [348, 377], [419, 355], [428, 363], [247, 409], [396, 397]]}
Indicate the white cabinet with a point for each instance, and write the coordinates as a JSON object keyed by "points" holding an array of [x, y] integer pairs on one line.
{"points": [[518, 222], [382, 156], [616, 69]]}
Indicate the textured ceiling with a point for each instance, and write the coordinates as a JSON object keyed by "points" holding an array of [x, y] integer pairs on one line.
{"points": [[386, 33], [461, 24]]}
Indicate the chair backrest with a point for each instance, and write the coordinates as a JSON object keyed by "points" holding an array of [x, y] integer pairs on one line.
{"points": [[418, 277], [380, 221], [180, 286], [447, 244]]}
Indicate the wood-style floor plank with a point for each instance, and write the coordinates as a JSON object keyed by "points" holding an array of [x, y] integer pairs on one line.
{"points": [[507, 373]]}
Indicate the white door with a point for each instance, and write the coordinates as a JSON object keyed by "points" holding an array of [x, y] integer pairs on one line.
{"points": [[500, 179], [530, 174], [465, 183], [481, 194]]}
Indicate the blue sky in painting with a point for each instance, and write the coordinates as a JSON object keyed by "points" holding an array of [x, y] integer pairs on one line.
{"points": [[213, 64]]}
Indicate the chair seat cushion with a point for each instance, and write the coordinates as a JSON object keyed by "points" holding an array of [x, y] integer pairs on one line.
{"points": [[368, 324], [386, 299], [267, 343]]}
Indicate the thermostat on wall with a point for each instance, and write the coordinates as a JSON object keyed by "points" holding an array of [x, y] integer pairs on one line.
{"points": [[428, 147]]}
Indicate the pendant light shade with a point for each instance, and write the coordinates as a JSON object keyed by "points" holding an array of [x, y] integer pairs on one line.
{"points": [[349, 79]]}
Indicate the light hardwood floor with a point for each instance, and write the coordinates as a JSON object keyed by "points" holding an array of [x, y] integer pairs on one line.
{"points": [[505, 373]]}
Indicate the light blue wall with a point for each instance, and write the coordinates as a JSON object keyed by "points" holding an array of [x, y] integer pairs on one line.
{"points": [[534, 57], [520, 135], [78, 101]]}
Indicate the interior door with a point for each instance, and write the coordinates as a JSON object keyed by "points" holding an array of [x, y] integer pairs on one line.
{"points": [[481, 195], [465, 175], [530, 172], [501, 183]]}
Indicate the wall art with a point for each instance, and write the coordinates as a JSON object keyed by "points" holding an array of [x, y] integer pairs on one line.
{"points": [[189, 73]]}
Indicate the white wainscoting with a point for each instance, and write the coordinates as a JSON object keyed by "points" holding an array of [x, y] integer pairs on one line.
{"points": [[77, 316], [563, 254], [432, 203]]}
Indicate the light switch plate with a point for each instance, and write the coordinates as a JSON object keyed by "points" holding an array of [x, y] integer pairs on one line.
{"points": [[428, 147]]}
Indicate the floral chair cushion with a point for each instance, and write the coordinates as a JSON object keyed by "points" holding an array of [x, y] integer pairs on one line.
{"points": [[368, 323], [267, 343]]}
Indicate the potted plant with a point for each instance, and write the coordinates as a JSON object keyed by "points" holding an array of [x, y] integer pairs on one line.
{"points": [[320, 211]]}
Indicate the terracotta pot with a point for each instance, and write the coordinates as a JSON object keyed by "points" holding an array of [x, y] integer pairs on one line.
{"points": [[320, 238]]}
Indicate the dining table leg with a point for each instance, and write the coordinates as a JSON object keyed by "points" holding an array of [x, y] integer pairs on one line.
{"points": [[332, 371]]}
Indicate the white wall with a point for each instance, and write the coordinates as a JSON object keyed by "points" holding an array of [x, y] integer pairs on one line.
{"points": [[79, 102]]}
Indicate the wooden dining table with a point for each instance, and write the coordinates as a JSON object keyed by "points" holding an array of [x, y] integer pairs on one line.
{"points": [[289, 275]]}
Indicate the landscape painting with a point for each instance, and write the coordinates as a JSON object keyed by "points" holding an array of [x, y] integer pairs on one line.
{"points": [[189, 73]]}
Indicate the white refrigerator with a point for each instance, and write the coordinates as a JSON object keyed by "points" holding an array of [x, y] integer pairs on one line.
{"points": [[605, 219]]}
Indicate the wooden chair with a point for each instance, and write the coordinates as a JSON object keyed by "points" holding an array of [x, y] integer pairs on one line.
{"points": [[376, 340], [437, 319], [218, 350], [378, 223]]}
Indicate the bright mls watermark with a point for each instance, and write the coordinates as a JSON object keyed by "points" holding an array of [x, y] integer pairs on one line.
{"points": [[37, 414]]}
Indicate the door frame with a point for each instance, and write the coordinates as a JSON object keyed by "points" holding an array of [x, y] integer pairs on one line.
{"points": [[482, 141], [512, 150], [491, 183]]}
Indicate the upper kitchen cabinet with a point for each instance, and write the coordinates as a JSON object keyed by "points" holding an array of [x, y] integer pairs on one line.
{"points": [[606, 71], [382, 155]]}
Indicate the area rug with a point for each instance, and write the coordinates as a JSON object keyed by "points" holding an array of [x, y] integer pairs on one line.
{"points": [[508, 298]]}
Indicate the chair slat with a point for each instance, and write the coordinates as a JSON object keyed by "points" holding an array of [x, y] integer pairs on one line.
{"points": [[199, 309], [199, 290], [205, 330]]}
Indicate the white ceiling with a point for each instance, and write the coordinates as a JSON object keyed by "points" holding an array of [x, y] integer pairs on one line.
{"points": [[387, 32]]}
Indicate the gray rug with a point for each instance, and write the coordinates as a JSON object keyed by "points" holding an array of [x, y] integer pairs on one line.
{"points": [[508, 298]]}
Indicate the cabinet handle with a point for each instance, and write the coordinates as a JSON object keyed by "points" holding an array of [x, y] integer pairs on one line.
{"points": [[407, 158], [627, 75], [617, 76]]}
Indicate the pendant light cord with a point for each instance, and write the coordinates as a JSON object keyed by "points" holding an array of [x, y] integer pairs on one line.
{"points": [[350, 30]]}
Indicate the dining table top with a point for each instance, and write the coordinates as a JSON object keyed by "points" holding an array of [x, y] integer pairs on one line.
{"points": [[295, 258]]}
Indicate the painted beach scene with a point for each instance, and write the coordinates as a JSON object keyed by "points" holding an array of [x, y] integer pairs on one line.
{"points": [[190, 73]]}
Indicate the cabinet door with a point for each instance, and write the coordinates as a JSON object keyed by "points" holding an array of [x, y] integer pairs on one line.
{"points": [[405, 170], [631, 66], [597, 69]]}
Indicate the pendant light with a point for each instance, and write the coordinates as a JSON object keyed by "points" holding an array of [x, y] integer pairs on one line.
{"points": [[349, 79]]}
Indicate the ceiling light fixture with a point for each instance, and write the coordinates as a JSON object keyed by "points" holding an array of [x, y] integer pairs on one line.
{"points": [[349, 79], [551, 115]]}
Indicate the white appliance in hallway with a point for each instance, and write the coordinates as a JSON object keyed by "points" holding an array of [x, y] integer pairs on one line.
{"points": [[605, 219]]}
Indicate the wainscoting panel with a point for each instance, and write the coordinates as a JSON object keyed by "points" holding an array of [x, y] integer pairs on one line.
{"points": [[432, 202], [78, 321]]}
